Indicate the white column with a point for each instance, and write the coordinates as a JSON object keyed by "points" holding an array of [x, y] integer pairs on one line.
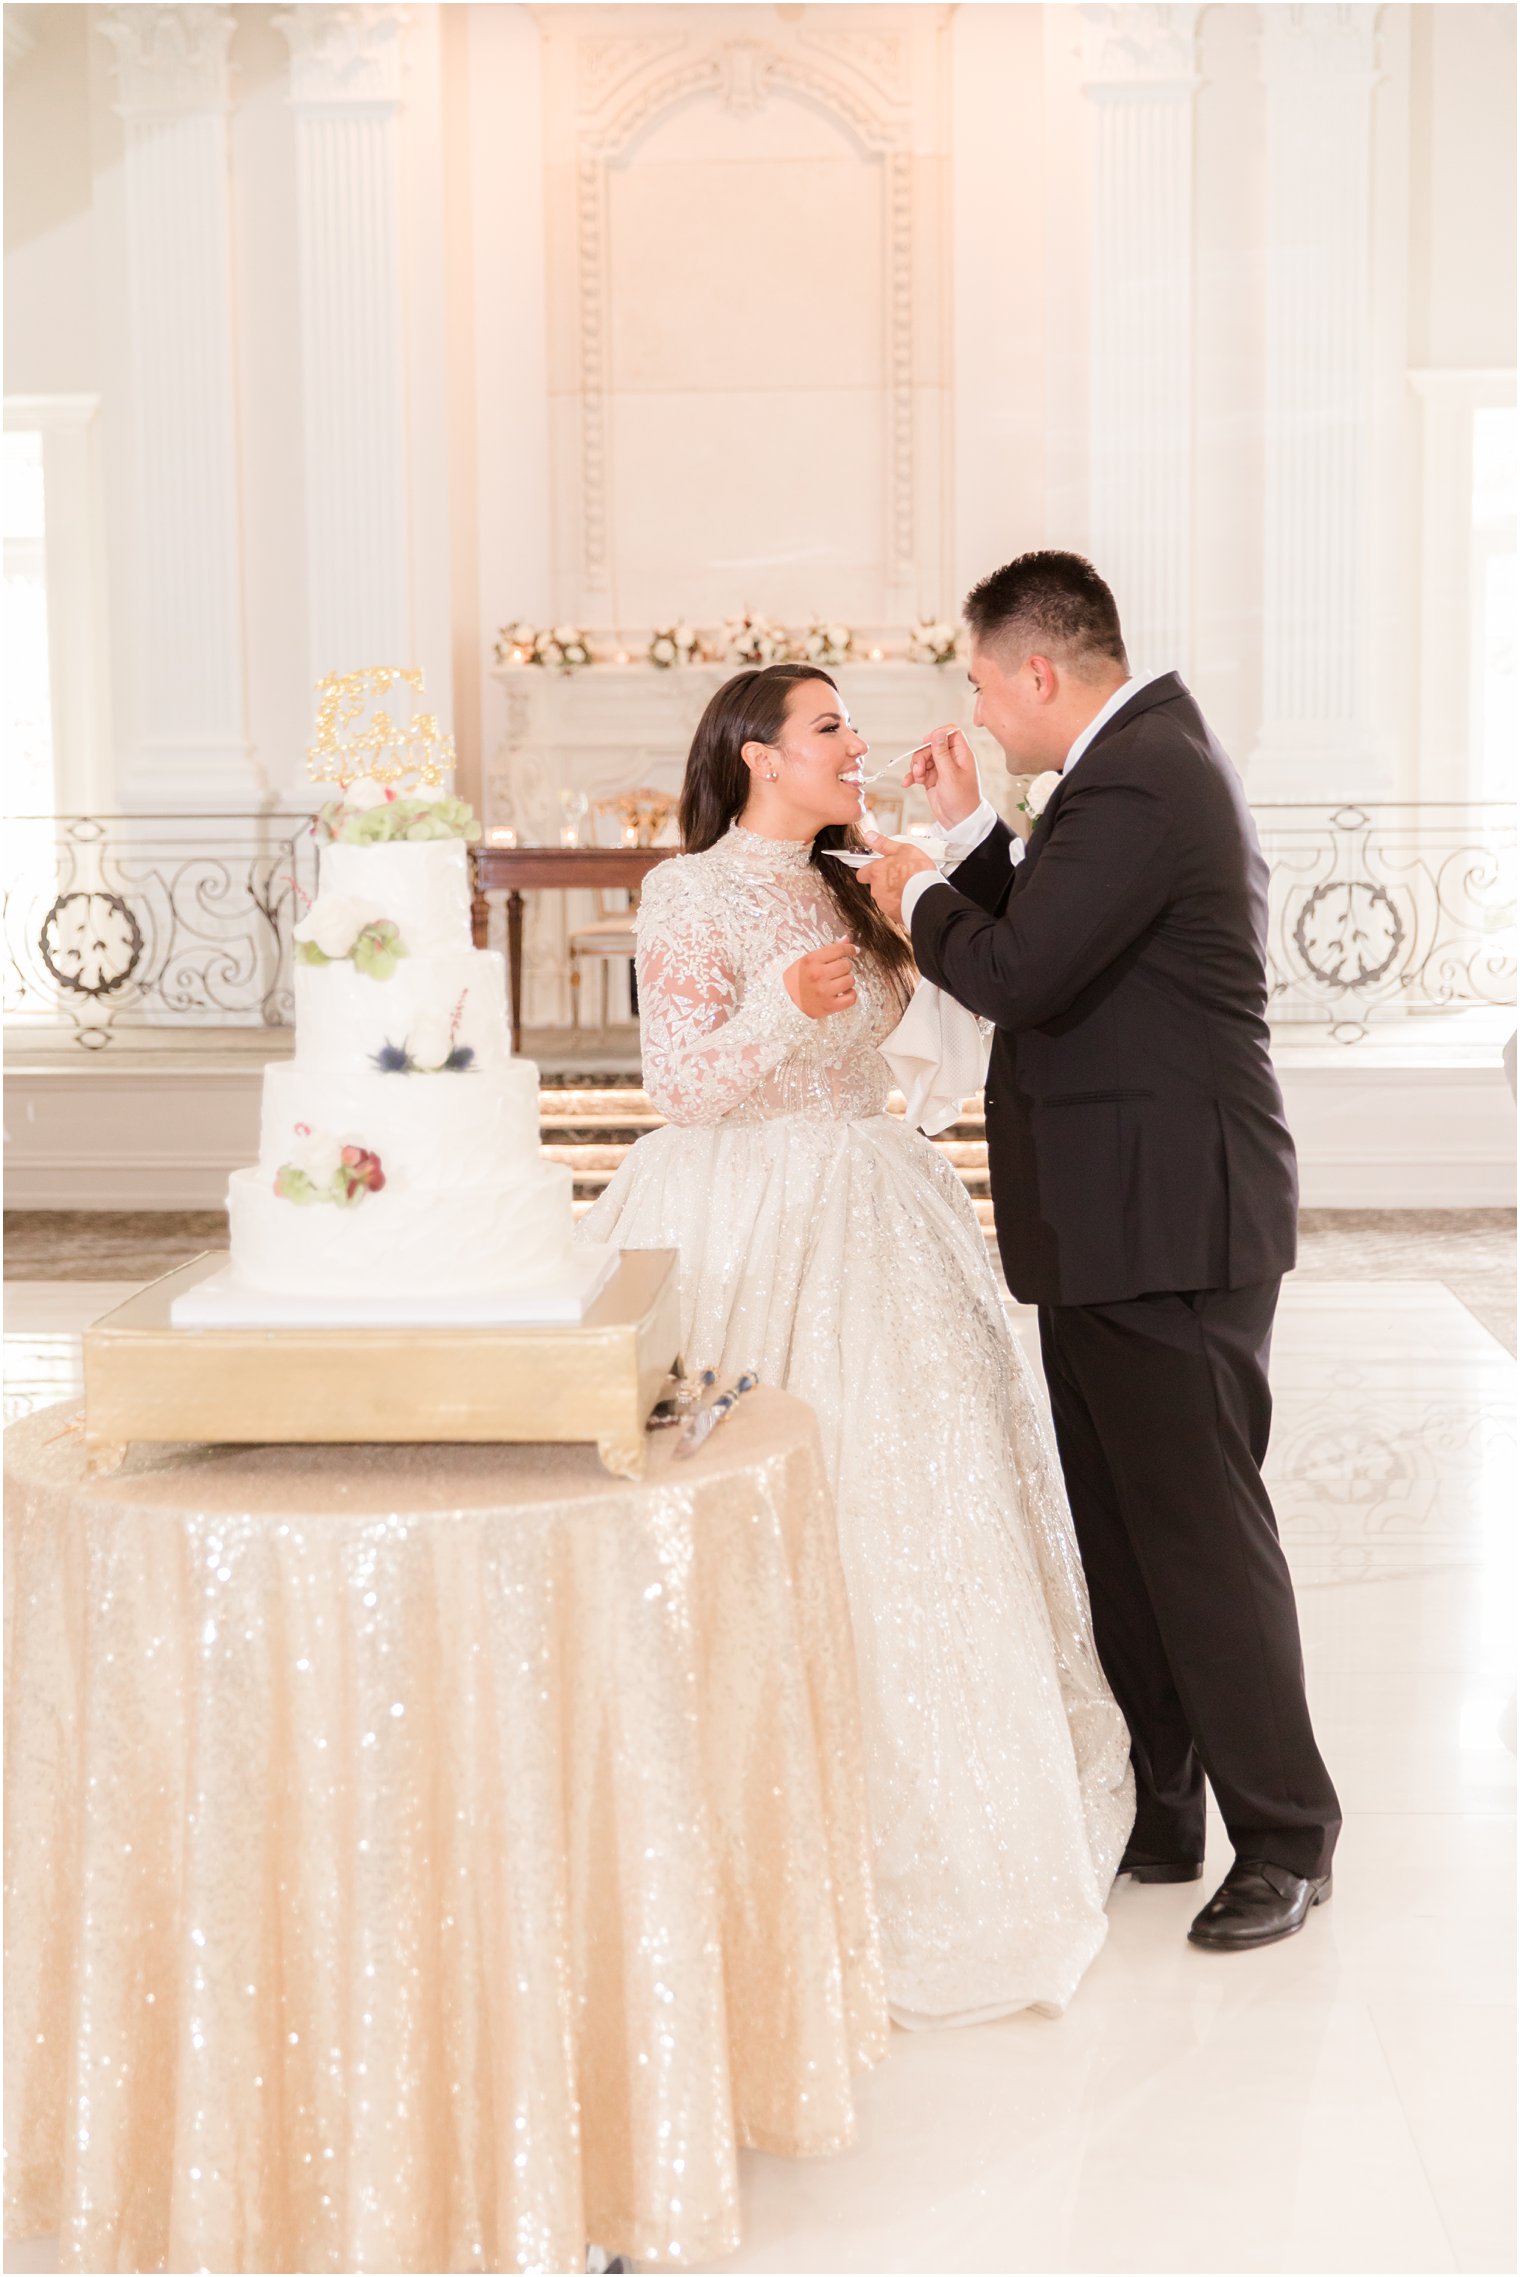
{"points": [[190, 748], [1139, 78], [1318, 62], [346, 93]]}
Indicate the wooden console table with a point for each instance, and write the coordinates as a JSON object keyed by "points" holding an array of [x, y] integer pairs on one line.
{"points": [[520, 869]]}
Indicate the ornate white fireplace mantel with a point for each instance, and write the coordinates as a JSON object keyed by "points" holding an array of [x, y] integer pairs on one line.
{"points": [[616, 727], [613, 728]]}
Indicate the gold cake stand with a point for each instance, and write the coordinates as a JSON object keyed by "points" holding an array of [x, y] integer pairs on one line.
{"points": [[595, 1379]]}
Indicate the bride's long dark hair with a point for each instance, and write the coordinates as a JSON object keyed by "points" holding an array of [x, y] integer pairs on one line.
{"points": [[751, 708]]}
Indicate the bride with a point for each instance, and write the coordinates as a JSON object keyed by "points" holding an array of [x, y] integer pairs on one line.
{"points": [[832, 1248]]}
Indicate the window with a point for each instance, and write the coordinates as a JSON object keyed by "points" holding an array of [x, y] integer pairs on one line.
{"points": [[28, 716], [52, 639]]}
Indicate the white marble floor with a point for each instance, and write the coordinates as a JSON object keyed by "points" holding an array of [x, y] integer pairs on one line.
{"points": [[1342, 2102]]}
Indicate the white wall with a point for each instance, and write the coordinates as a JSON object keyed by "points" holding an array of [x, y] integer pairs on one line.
{"points": [[768, 427], [1462, 219], [51, 344]]}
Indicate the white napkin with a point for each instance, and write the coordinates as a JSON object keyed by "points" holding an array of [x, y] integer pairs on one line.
{"points": [[938, 1053]]}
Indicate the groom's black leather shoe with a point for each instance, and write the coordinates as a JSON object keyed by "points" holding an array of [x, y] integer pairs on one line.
{"points": [[1256, 1904], [1143, 1869]]}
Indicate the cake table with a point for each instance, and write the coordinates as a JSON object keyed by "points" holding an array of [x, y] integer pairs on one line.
{"points": [[426, 1857], [145, 1379]]}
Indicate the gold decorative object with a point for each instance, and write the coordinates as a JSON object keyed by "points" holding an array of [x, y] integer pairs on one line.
{"points": [[641, 815], [409, 752], [595, 1379]]}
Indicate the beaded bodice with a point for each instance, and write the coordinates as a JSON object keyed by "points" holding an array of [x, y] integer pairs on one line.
{"points": [[722, 1039]]}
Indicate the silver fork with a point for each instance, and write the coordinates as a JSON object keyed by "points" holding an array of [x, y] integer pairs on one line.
{"points": [[882, 772]]}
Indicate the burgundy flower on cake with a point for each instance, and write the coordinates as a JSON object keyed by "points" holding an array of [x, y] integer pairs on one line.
{"points": [[360, 1172], [322, 1168]]}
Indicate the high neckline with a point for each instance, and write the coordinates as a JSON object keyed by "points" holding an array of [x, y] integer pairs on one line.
{"points": [[776, 853]]}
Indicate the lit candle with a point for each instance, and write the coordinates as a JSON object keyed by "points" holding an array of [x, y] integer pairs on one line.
{"points": [[501, 834], [875, 655]]}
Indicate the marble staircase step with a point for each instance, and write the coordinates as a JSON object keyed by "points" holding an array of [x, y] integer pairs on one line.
{"points": [[591, 1127]]}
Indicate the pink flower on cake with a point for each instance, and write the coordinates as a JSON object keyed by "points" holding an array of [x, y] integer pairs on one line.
{"points": [[322, 1168], [361, 1171]]}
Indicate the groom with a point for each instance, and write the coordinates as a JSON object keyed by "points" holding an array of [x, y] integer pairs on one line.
{"points": [[1145, 1192]]}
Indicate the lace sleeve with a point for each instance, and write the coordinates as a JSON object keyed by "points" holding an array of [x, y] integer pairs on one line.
{"points": [[708, 1036]]}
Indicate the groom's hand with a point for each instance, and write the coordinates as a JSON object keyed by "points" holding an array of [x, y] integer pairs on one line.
{"points": [[946, 766], [897, 862]]}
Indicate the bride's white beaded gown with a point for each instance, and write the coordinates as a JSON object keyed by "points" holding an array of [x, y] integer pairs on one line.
{"points": [[828, 1245]]}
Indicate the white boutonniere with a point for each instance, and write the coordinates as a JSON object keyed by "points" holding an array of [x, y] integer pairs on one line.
{"points": [[1039, 793]]}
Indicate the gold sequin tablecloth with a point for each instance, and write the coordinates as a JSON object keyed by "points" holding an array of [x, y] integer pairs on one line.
{"points": [[425, 1858]]}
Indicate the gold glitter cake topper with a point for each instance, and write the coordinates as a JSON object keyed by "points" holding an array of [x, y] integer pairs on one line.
{"points": [[410, 752]]}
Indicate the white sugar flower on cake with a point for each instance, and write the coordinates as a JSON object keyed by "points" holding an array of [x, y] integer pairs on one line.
{"points": [[323, 1168], [316, 1154], [341, 925], [432, 1047], [359, 797], [431, 1040], [335, 921]]}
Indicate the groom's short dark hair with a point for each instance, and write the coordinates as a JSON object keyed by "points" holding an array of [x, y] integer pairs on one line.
{"points": [[1054, 601]]}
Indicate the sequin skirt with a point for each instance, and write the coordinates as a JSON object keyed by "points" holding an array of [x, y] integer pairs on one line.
{"points": [[843, 1260]]}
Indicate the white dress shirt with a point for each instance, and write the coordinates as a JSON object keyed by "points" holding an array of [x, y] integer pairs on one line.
{"points": [[968, 835]]}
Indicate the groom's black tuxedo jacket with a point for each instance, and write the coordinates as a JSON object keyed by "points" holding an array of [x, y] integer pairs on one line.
{"points": [[1135, 1130]]}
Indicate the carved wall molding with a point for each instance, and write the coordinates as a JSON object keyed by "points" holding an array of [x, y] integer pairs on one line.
{"points": [[344, 56], [624, 84], [595, 318], [1131, 49], [605, 63], [880, 57], [742, 72], [23, 22], [169, 60]]}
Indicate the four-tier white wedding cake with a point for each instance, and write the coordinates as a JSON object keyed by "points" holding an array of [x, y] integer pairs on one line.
{"points": [[399, 1176]]}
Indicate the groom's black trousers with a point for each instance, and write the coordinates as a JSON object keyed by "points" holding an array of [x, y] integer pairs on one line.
{"points": [[1162, 1412]]}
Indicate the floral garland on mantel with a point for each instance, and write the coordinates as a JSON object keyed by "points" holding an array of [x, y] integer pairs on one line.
{"points": [[747, 639]]}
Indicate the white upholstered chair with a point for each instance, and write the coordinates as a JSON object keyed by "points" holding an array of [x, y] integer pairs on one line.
{"points": [[634, 818]]}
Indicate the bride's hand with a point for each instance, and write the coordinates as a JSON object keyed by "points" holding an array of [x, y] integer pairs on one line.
{"points": [[824, 980], [946, 766]]}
